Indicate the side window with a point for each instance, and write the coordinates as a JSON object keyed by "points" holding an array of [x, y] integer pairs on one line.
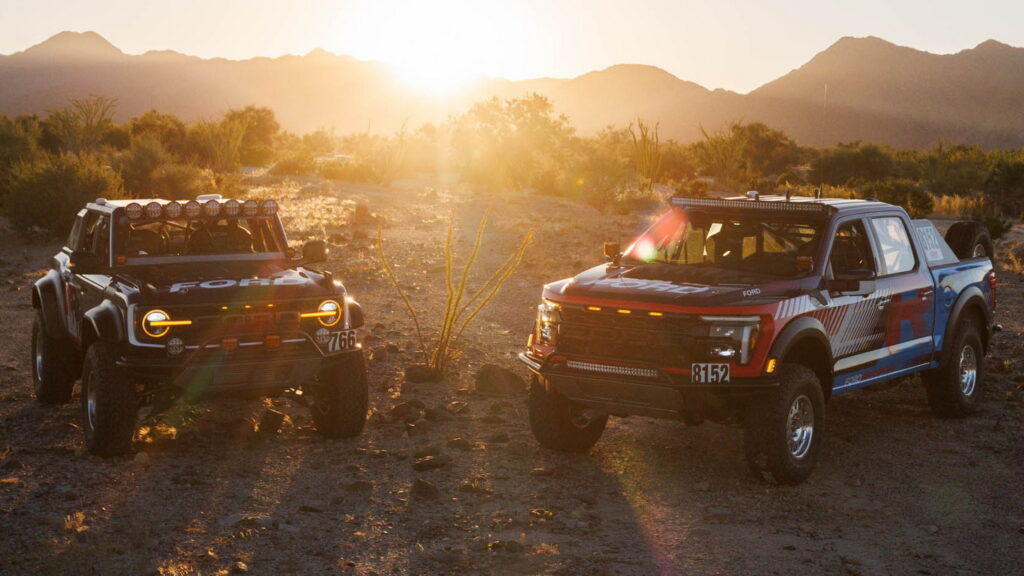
{"points": [[102, 246], [894, 245], [88, 236], [851, 249], [76, 233]]}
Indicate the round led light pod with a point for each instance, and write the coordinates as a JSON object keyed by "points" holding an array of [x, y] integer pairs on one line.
{"points": [[173, 210], [211, 208], [251, 208], [175, 346], [133, 210], [153, 210], [268, 208], [232, 208], [193, 209], [322, 336]]}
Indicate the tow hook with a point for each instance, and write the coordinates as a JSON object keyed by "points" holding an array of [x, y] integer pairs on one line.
{"points": [[997, 327]]}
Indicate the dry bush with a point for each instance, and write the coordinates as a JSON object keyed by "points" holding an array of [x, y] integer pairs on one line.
{"points": [[462, 304], [956, 206]]}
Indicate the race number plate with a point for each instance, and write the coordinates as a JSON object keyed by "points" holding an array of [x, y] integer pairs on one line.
{"points": [[709, 373], [344, 340]]}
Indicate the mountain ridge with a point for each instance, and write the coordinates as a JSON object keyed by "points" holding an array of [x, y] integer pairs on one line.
{"points": [[858, 88]]}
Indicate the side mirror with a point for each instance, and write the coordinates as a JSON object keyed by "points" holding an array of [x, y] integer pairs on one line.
{"points": [[314, 251], [857, 282], [86, 263], [612, 252]]}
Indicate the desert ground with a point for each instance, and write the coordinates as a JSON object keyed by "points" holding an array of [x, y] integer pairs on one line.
{"points": [[897, 491]]}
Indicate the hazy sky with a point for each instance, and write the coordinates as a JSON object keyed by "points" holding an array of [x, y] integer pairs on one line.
{"points": [[720, 44]]}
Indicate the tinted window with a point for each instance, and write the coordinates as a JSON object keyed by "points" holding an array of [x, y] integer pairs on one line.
{"points": [[851, 249], [894, 245]]}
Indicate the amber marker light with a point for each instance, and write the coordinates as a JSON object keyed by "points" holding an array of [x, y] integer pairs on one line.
{"points": [[769, 368], [594, 308], [655, 314], [624, 311]]}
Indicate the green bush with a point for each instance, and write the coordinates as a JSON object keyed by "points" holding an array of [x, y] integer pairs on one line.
{"points": [[905, 193], [299, 163], [181, 182], [47, 194]]}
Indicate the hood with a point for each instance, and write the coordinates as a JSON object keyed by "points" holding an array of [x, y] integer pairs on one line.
{"points": [[673, 285], [214, 283]]}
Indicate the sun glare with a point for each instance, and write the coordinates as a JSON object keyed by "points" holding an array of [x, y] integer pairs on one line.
{"points": [[437, 48]]}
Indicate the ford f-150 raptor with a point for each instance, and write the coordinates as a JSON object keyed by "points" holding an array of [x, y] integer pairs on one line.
{"points": [[756, 310], [152, 302]]}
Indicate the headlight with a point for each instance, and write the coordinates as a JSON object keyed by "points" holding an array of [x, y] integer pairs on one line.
{"points": [[547, 322], [157, 323], [732, 338], [328, 314]]}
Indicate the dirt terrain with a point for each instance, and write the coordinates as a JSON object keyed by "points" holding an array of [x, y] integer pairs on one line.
{"points": [[897, 490]]}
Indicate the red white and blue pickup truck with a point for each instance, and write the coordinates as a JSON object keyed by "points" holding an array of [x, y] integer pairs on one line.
{"points": [[756, 310]]}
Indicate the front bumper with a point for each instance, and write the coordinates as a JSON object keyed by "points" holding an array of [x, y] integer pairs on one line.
{"points": [[215, 372], [644, 390]]}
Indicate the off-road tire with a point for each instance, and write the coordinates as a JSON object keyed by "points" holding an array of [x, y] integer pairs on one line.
{"points": [[949, 395], [552, 424], [768, 436], [53, 365], [969, 239], [341, 397], [110, 424]]}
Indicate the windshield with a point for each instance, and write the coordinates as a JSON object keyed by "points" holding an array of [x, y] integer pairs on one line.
{"points": [[705, 247], [162, 238]]}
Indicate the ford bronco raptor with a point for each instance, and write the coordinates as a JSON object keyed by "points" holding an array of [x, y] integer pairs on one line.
{"points": [[153, 302], [755, 310]]}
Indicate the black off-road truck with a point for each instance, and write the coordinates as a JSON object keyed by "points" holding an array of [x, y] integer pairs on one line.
{"points": [[153, 302]]}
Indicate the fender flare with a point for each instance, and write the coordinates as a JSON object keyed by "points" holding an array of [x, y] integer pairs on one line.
{"points": [[106, 321], [45, 298], [797, 330], [971, 297], [356, 319]]}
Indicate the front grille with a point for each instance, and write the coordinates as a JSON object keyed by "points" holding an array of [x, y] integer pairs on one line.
{"points": [[665, 340], [212, 322]]}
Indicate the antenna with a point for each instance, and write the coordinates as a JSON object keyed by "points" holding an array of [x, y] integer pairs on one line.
{"points": [[789, 193]]}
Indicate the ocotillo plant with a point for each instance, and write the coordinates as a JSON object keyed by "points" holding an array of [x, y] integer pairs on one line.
{"points": [[462, 304], [646, 152]]}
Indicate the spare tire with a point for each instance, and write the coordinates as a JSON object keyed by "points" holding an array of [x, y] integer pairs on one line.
{"points": [[970, 239]]}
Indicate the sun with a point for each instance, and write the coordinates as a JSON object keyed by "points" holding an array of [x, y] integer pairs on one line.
{"points": [[439, 47]]}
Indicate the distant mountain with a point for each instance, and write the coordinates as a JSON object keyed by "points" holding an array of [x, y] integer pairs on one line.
{"points": [[857, 89]]}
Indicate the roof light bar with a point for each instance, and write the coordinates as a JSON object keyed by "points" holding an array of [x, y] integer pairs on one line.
{"points": [[153, 210], [268, 208], [193, 209], [761, 204], [251, 208], [232, 208], [133, 210]]}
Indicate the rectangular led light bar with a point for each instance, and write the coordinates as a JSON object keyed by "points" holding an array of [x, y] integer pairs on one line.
{"points": [[610, 369], [762, 204]]}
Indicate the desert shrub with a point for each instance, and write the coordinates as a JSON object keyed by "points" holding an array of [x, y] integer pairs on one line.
{"points": [[81, 126], [170, 131], [260, 128], [695, 188], [47, 194], [18, 144], [955, 206], [183, 182], [139, 166], [646, 153], [992, 218], [852, 164], [298, 163], [905, 193], [217, 145], [347, 171]]}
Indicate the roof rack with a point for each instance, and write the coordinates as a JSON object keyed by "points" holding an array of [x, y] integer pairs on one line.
{"points": [[753, 204]]}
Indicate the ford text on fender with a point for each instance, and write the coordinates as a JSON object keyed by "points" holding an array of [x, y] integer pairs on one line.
{"points": [[155, 302], [757, 310]]}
